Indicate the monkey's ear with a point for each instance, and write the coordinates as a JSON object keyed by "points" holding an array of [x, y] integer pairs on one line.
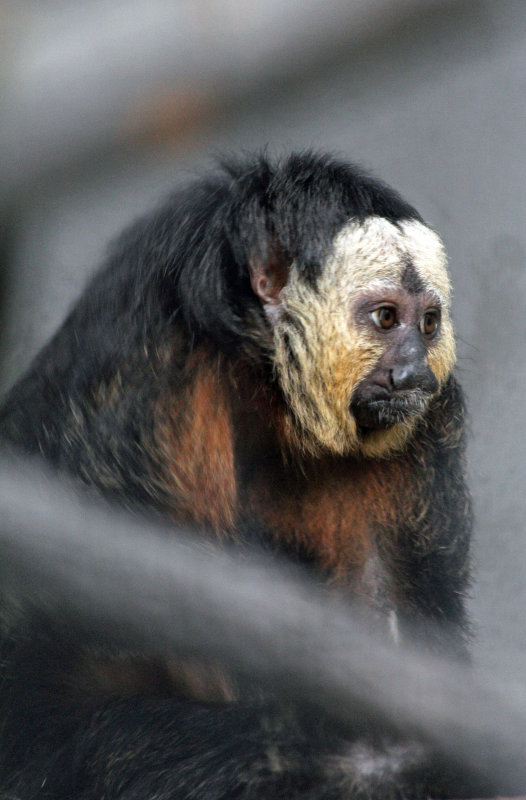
{"points": [[268, 277]]}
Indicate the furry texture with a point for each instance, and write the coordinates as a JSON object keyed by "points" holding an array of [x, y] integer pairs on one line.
{"points": [[177, 387], [321, 355]]}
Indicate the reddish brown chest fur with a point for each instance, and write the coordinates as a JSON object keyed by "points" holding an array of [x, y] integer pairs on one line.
{"points": [[335, 512], [195, 444], [224, 466]]}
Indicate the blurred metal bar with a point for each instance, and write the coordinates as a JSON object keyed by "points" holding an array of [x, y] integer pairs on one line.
{"points": [[123, 580]]}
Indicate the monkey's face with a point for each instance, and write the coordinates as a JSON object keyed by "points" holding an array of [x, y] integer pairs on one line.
{"points": [[360, 355], [406, 320]]}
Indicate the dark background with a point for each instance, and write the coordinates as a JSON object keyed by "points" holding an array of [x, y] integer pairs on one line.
{"points": [[105, 106]]}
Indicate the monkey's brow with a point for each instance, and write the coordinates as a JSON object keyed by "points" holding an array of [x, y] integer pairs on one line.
{"points": [[378, 285]]}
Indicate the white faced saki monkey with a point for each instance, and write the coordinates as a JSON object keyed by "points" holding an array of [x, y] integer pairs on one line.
{"points": [[266, 359]]}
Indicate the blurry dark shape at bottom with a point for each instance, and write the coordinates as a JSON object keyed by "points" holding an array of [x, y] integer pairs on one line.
{"points": [[337, 711]]}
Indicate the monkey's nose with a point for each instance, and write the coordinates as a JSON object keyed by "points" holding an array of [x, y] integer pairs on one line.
{"points": [[412, 376]]}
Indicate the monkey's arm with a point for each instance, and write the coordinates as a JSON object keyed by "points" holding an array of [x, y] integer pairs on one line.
{"points": [[177, 750]]}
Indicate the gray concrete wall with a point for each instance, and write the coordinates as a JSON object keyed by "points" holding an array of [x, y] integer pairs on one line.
{"points": [[435, 104]]}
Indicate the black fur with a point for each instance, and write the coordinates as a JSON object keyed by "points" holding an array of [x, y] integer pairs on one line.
{"points": [[180, 272], [176, 284]]}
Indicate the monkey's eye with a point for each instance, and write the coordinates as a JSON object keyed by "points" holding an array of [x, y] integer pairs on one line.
{"points": [[384, 317], [429, 322]]}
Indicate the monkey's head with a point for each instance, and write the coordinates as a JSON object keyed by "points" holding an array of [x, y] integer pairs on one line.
{"points": [[362, 342]]}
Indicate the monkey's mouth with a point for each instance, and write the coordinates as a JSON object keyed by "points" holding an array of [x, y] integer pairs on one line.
{"points": [[383, 413]]}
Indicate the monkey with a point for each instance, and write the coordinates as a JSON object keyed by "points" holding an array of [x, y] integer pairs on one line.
{"points": [[267, 360]]}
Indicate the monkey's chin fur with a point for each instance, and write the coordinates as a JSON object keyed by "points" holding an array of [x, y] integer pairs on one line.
{"points": [[384, 413], [376, 441], [384, 442]]}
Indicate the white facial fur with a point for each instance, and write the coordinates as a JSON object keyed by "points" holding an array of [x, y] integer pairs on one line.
{"points": [[330, 354], [377, 252]]}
